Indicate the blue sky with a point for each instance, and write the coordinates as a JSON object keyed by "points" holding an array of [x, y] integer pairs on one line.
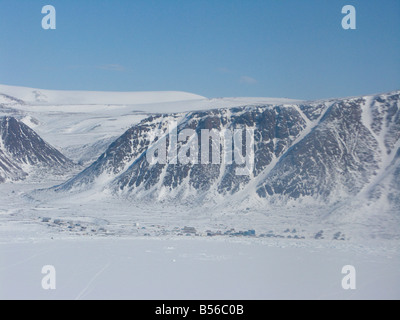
{"points": [[215, 48]]}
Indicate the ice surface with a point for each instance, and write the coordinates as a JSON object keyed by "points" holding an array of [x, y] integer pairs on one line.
{"points": [[192, 269]]}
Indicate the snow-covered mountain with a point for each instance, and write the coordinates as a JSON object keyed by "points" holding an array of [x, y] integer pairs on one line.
{"points": [[23, 151], [326, 151], [337, 154]]}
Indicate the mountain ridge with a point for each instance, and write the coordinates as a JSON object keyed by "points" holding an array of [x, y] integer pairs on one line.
{"points": [[302, 150]]}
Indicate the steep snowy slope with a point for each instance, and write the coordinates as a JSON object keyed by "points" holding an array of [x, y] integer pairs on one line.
{"points": [[22, 150], [9, 171], [328, 151], [340, 156]]}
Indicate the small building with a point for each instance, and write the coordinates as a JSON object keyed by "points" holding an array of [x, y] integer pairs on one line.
{"points": [[189, 230]]}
